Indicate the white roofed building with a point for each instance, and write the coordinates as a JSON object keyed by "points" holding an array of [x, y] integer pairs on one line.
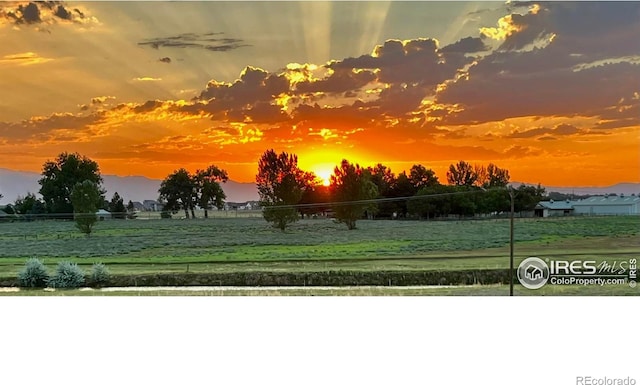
{"points": [[608, 205]]}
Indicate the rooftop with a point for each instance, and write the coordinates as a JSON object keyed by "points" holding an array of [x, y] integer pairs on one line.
{"points": [[557, 205], [608, 200]]}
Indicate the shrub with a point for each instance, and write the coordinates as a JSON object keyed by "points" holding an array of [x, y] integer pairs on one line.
{"points": [[99, 274], [68, 275], [34, 274]]}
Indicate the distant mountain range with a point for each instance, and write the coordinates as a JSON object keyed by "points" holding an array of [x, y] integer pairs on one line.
{"points": [[134, 188], [140, 188]]}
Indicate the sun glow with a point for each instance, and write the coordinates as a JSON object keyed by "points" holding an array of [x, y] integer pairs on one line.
{"points": [[324, 174]]}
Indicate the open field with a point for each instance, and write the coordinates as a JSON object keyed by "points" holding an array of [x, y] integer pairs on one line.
{"points": [[250, 244]]}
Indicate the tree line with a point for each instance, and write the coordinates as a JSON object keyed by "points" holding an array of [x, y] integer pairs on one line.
{"points": [[288, 192], [71, 188]]}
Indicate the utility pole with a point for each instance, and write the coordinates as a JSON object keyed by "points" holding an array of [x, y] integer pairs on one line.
{"points": [[512, 196]]}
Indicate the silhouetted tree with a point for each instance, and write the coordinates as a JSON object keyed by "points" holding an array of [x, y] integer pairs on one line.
{"points": [[29, 206], [281, 184], [60, 176], [402, 188], [208, 190], [316, 195], [494, 176], [116, 207], [178, 191], [432, 201], [462, 174], [131, 210], [527, 197], [385, 181], [350, 183], [85, 198], [420, 177]]}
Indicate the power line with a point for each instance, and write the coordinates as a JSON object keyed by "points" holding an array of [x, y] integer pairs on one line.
{"points": [[381, 200], [295, 206]]}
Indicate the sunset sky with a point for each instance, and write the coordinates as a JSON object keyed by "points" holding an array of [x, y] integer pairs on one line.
{"points": [[550, 91]]}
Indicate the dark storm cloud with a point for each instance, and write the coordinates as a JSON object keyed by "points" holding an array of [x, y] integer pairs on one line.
{"points": [[208, 41]]}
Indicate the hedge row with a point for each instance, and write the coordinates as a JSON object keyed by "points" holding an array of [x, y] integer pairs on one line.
{"points": [[320, 278]]}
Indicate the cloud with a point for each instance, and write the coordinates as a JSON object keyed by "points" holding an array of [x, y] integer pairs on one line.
{"points": [[410, 61], [252, 96], [565, 129], [44, 128], [526, 78], [466, 45], [147, 79], [22, 59], [404, 91], [207, 41], [101, 99], [339, 80], [42, 13], [498, 89], [559, 130], [521, 151], [148, 106]]}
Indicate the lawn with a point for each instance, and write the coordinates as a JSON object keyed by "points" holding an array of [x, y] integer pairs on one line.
{"points": [[250, 244]]}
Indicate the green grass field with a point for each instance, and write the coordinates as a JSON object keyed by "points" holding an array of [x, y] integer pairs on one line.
{"points": [[233, 244]]}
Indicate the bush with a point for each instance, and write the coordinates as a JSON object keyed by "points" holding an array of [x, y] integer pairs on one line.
{"points": [[34, 274], [68, 275], [99, 274]]}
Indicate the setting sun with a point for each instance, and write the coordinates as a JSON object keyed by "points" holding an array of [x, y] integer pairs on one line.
{"points": [[323, 172], [145, 89]]}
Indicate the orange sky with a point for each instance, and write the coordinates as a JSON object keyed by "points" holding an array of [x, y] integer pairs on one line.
{"points": [[550, 92]]}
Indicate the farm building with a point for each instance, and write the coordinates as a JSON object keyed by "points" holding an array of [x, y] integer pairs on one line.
{"points": [[608, 205], [138, 206], [599, 205], [151, 205], [103, 214], [554, 208]]}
